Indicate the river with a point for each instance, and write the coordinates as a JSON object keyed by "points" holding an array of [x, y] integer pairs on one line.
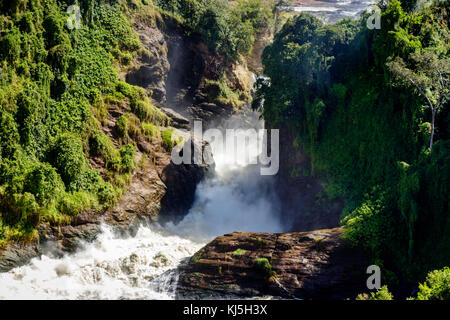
{"points": [[145, 266]]}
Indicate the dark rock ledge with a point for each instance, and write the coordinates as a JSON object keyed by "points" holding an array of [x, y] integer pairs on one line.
{"points": [[304, 265]]}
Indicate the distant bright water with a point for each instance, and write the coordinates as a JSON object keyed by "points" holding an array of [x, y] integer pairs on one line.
{"points": [[334, 10]]}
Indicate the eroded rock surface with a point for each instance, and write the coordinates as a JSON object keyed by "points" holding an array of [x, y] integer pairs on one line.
{"points": [[305, 265]]}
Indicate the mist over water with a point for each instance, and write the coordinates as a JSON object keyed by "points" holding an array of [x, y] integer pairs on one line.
{"points": [[237, 197]]}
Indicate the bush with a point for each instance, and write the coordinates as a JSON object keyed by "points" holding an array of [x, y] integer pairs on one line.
{"points": [[381, 294], [238, 252], [89, 180], [10, 46], [18, 208], [226, 27], [101, 145], [128, 126], [68, 157], [167, 141], [146, 112], [436, 286], [9, 136], [128, 161], [150, 130], [74, 203], [106, 195], [264, 267], [44, 183]]}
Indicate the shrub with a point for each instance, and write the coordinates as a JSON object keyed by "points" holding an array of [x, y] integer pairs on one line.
{"points": [[150, 130], [167, 141], [128, 126], [436, 286], [68, 157], [10, 46], [44, 183], [146, 112], [238, 252], [89, 180], [106, 195], [9, 136], [101, 145], [122, 126], [264, 267], [381, 294], [19, 207], [74, 203], [128, 161]]}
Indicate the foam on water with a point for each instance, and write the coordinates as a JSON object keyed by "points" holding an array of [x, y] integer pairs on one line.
{"points": [[145, 266]]}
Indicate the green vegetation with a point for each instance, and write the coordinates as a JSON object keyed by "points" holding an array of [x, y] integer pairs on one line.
{"points": [[344, 90], [382, 294], [58, 83], [263, 266], [167, 140], [228, 27], [436, 286], [55, 88], [238, 252]]}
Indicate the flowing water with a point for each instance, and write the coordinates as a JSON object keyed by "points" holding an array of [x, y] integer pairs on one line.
{"points": [[145, 266], [333, 10]]}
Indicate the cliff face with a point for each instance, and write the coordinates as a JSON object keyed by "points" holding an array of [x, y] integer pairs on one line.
{"points": [[305, 265], [305, 204], [181, 72]]}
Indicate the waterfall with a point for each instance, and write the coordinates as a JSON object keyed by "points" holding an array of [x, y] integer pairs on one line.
{"points": [[235, 198]]}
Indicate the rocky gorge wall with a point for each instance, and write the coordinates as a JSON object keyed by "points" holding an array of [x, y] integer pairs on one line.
{"points": [[181, 73], [306, 205]]}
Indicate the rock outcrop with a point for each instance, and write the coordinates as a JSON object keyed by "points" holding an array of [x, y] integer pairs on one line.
{"points": [[16, 255], [152, 68], [177, 70], [181, 181], [305, 202], [304, 265]]}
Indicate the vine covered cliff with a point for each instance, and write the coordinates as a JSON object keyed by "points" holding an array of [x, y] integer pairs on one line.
{"points": [[350, 116]]}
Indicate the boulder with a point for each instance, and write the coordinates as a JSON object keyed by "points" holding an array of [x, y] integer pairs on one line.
{"points": [[303, 265]]}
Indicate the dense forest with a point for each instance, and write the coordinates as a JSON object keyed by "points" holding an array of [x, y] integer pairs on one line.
{"points": [[365, 105]]}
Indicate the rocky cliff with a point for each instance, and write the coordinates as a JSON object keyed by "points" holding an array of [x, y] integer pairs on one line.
{"points": [[305, 202], [183, 74]]}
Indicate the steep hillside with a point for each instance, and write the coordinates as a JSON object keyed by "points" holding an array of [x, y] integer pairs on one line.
{"points": [[350, 116]]}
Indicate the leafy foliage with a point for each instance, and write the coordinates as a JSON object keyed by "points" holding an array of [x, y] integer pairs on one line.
{"points": [[381, 294], [54, 85], [436, 286], [226, 27], [365, 130]]}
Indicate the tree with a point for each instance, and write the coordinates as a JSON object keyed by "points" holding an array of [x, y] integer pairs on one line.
{"points": [[429, 75]]}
